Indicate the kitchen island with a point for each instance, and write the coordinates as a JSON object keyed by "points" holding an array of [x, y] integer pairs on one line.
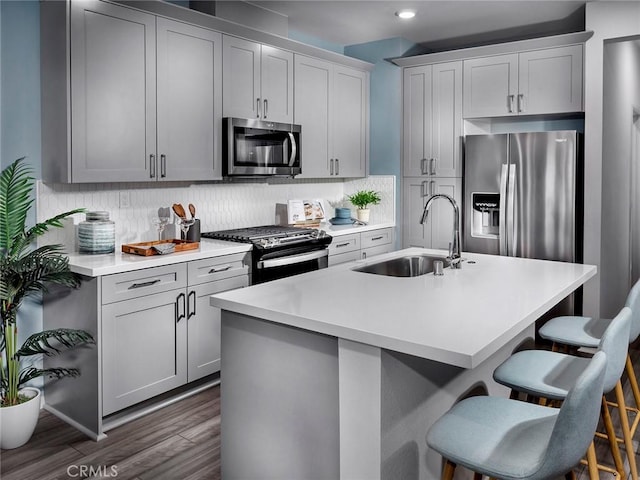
{"points": [[339, 373]]}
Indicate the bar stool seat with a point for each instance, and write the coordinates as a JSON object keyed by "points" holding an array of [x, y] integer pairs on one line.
{"points": [[576, 331], [509, 439], [540, 373]]}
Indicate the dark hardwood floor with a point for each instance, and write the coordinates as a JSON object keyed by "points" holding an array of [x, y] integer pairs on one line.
{"points": [[178, 442]]}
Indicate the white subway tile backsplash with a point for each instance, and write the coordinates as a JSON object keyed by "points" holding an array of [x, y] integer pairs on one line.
{"points": [[219, 206]]}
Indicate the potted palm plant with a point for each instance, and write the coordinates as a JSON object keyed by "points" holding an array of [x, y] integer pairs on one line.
{"points": [[361, 200], [25, 272]]}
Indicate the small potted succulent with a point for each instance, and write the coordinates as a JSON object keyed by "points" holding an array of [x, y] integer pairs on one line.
{"points": [[361, 200], [25, 271]]}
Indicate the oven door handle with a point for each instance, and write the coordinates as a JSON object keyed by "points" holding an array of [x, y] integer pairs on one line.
{"points": [[292, 259]]}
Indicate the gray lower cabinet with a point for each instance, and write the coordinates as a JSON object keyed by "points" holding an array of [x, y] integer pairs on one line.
{"points": [[155, 332], [159, 331], [360, 246]]}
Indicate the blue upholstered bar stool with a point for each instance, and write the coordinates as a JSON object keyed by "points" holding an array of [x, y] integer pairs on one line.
{"points": [[579, 331], [549, 375], [510, 439]]}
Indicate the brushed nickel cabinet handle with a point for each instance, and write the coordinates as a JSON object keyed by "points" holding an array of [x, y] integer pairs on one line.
{"points": [[521, 106], [510, 99], [152, 166], [337, 166], [257, 108], [331, 166], [432, 166], [220, 269], [373, 239], [163, 165], [144, 284], [265, 109]]}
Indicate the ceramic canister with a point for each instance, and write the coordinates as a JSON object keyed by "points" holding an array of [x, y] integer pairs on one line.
{"points": [[97, 234]]}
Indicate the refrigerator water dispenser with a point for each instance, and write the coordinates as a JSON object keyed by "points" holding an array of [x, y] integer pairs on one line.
{"points": [[485, 221]]}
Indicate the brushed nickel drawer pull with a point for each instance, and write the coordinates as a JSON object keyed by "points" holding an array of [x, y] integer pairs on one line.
{"points": [[373, 239], [220, 269], [145, 284], [339, 245]]}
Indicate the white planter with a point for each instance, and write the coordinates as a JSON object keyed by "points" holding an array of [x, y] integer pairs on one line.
{"points": [[17, 423], [363, 214]]}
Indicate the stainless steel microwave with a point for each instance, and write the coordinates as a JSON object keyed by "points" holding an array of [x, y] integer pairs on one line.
{"points": [[260, 148]]}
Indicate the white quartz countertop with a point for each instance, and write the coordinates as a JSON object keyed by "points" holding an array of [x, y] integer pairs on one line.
{"points": [[118, 262], [338, 230], [460, 318]]}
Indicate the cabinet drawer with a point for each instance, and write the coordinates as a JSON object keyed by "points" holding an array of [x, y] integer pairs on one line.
{"points": [[124, 286], [376, 237], [344, 257], [218, 268], [345, 243]]}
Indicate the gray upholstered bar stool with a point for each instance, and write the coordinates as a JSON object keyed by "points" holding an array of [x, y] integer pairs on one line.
{"points": [[579, 331], [548, 375], [510, 439]]}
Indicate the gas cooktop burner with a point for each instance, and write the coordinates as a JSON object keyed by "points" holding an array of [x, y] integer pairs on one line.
{"points": [[269, 236]]}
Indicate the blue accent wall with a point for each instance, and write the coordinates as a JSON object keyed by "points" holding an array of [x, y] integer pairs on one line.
{"points": [[385, 108], [20, 83]]}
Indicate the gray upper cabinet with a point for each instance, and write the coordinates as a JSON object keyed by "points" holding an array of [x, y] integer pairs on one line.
{"points": [[113, 93], [258, 81], [526, 83], [189, 102], [331, 104], [143, 100], [432, 96]]}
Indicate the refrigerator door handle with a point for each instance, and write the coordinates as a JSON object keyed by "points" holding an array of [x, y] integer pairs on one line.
{"points": [[512, 235], [502, 220]]}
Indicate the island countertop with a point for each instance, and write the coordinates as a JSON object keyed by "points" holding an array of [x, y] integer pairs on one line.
{"points": [[460, 318]]}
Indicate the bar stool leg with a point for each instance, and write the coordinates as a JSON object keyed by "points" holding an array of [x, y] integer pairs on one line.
{"points": [[633, 381], [613, 442], [592, 462], [448, 470], [626, 433]]}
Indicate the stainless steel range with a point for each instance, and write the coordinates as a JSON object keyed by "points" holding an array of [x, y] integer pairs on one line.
{"points": [[280, 251]]}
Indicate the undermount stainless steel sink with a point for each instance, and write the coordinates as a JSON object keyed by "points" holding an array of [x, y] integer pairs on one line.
{"points": [[408, 266]]}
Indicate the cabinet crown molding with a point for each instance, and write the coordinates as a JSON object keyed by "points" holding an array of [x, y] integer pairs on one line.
{"points": [[497, 49]]}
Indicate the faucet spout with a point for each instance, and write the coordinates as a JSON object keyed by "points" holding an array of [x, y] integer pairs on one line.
{"points": [[454, 245]]}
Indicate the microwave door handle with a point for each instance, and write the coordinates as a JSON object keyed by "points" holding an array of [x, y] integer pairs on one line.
{"points": [[294, 149], [502, 219]]}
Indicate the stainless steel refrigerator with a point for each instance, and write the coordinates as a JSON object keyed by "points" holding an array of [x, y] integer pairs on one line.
{"points": [[523, 195]]}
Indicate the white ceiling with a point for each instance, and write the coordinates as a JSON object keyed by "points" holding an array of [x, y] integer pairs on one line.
{"points": [[358, 21]]}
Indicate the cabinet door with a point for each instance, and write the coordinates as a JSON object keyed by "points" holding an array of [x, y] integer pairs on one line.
{"points": [[550, 81], [113, 80], [447, 120], [144, 347], [276, 84], [441, 212], [349, 122], [490, 86], [203, 326], [417, 120], [189, 102], [241, 78], [415, 192], [312, 110]]}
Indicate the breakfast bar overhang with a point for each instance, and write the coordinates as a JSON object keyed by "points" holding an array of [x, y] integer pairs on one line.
{"points": [[339, 373]]}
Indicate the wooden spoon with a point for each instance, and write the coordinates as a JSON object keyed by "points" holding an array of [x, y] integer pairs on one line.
{"points": [[192, 210], [178, 209]]}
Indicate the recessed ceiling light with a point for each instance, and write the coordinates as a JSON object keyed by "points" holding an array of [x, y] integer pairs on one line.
{"points": [[406, 14]]}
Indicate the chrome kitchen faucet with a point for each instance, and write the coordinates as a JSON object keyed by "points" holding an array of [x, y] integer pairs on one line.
{"points": [[454, 247]]}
